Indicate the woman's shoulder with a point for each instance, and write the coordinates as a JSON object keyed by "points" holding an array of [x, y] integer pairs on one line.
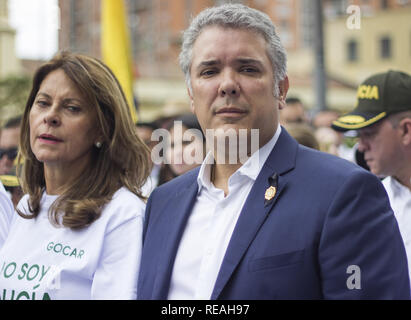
{"points": [[123, 208], [125, 202], [45, 201], [123, 194]]}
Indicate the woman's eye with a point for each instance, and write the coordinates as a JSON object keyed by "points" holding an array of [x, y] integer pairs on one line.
{"points": [[74, 108], [41, 103]]}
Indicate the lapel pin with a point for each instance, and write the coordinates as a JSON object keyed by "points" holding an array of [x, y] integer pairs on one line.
{"points": [[270, 193], [271, 190]]}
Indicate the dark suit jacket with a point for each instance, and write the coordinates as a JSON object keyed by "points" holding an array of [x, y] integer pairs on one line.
{"points": [[326, 216]]}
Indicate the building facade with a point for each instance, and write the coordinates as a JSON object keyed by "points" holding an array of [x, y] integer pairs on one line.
{"points": [[9, 64], [382, 42], [379, 40]]}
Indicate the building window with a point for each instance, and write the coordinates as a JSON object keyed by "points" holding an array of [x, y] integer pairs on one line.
{"points": [[352, 51], [385, 48]]}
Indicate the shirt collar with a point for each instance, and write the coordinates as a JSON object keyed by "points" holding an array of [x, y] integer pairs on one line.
{"points": [[397, 188], [251, 168]]}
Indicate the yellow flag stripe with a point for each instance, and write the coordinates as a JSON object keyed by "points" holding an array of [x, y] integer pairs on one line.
{"points": [[116, 51]]}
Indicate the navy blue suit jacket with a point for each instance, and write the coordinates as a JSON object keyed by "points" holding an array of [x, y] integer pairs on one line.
{"points": [[326, 216]]}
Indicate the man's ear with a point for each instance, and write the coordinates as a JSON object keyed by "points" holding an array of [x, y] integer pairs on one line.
{"points": [[405, 125], [191, 100], [283, 88]]}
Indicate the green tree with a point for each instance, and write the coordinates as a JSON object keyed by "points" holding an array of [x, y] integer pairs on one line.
{"points": [[14, 91]]}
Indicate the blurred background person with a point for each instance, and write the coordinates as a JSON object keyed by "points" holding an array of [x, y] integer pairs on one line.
{"points": [[293, 111], [338, 143], [303, 133], [12, 185], [328, 140], [9, 142], [144, 131], [84, 166], [6, 214], [182, 150], [325, 118]]}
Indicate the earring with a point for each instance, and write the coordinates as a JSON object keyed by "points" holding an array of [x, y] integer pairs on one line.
{"points": [[98, 144]]}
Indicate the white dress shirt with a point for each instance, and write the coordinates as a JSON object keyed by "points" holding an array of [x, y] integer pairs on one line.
{"points": [[400, 200], [211, 225]]}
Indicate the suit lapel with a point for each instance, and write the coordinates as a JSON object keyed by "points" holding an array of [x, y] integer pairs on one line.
{"points": [[179, 209], [255, 210]]}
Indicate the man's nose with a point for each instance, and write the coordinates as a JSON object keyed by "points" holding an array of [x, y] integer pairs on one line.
{"points": [[362, 144], [229, 85]]}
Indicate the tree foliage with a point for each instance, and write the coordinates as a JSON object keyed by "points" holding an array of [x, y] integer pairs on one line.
{"points": [[14, 91]]}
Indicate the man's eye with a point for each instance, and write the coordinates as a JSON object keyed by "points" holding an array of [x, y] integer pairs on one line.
{"points": [[208, 72], [249, 70]]}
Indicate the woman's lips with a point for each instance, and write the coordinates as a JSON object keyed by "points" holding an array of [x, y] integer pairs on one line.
{"points": [[49, 139]]}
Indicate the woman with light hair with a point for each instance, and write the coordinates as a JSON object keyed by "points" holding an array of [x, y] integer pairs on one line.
{"points": [[78, 233]]}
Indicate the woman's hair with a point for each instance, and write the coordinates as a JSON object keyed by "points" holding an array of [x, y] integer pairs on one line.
{"points": [[122, 160], [235, 16]]}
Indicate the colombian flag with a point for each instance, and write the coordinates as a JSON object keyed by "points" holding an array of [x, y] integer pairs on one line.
{"points": [[116, 51]]}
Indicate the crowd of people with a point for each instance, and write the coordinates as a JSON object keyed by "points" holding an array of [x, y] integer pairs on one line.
{"points": [[106, 214]]}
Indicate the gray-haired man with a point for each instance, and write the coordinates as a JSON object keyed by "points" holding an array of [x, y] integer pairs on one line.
{"points": [[290, 222]]}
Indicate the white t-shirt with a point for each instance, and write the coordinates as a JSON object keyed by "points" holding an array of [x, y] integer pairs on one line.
{"points": [[6, 214], [40, 261]]}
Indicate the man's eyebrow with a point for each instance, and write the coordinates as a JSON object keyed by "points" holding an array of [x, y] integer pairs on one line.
{"points": [[207, 63], [249, 61]]}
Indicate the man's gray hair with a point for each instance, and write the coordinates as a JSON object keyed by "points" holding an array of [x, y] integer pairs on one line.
{"points": [[236, 16]]}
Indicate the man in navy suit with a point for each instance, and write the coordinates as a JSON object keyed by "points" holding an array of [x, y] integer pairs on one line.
{"points": [[287, 223]]}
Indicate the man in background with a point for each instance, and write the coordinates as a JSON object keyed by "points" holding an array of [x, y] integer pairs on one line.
{"points": [[382, 119], [293, 112], [9, 142], [144, 131]]}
